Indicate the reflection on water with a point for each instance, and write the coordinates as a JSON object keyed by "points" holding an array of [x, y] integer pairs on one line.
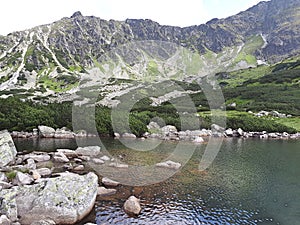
{"points": [[44, 144], [250, 182]]}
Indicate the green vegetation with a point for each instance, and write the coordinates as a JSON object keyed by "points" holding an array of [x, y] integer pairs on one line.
{"points": [[11, 175], [249, 122], [263, 88], [293, 122], [247, 52]]}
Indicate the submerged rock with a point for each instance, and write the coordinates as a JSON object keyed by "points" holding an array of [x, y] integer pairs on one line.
{"points": [[169, 164], [65, 199], [108, 182], [132, 206], [8, 150]]}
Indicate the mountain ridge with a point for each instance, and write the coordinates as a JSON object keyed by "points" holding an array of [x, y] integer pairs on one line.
{"points": [[40, 56]]}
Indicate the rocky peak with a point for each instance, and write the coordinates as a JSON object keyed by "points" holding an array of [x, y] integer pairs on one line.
{"points": [[76, 14]]}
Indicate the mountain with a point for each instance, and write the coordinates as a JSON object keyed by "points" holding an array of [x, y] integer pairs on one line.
{"points": [[57, 57]]}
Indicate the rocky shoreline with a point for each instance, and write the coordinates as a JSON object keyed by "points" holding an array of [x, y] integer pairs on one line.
{"points": [[167, 132], [41, 188], [170, 133]]}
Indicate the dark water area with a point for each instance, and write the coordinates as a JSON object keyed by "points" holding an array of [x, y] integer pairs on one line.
{"points": [[251, 181]]}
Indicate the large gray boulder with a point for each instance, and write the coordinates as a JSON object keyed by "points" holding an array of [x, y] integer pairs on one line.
{"points": [[46, 132], [65, 199], [8, 150]]}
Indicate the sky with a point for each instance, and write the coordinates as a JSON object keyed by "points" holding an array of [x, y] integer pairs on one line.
{"points": [[19, 15]]}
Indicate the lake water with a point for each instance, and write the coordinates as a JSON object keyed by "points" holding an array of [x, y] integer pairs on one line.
{"points": [[250, 181]]}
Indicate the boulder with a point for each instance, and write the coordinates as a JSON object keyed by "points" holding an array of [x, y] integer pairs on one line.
{"points": [[46, 132], [198, 140], [4, 220], [132, 206], [64, 133], [153, 127], [84, 157], [5, 185], [60, 157], [110, 183], [88, 151], [68, 152], [42, 172], [3, 177], [98, 161], [102, 191], [43, 222], [8, 150], [38, 157], [240, 132], [118, 165], [35, 132], [117, 135], [35, 175], [22, 179], [81, 133], [65, 199], [217, 128], [105, 158], [79, 168], [128, 135], [229, 132], [169, 164], [31, 164], [168, 129]]}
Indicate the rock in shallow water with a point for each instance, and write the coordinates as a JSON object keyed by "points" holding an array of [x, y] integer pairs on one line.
{"points": [[108, 182], [65, 199], [102, 191], [132, 206]]}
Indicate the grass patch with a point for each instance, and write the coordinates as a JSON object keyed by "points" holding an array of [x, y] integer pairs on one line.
{"points": [[293, 122]]}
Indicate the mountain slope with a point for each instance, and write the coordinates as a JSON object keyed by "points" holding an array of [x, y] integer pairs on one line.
{"points": [[55, 57]]}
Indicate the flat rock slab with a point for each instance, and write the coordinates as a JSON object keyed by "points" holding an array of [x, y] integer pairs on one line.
{"points": [[65, 199], [88, 151], [108, 182]]}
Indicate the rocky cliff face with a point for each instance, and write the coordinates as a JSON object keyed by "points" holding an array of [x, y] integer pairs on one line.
{"points": [[54, 56]]}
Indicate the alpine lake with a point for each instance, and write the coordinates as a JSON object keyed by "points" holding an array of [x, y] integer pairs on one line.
{"points": [[250, 181]]}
